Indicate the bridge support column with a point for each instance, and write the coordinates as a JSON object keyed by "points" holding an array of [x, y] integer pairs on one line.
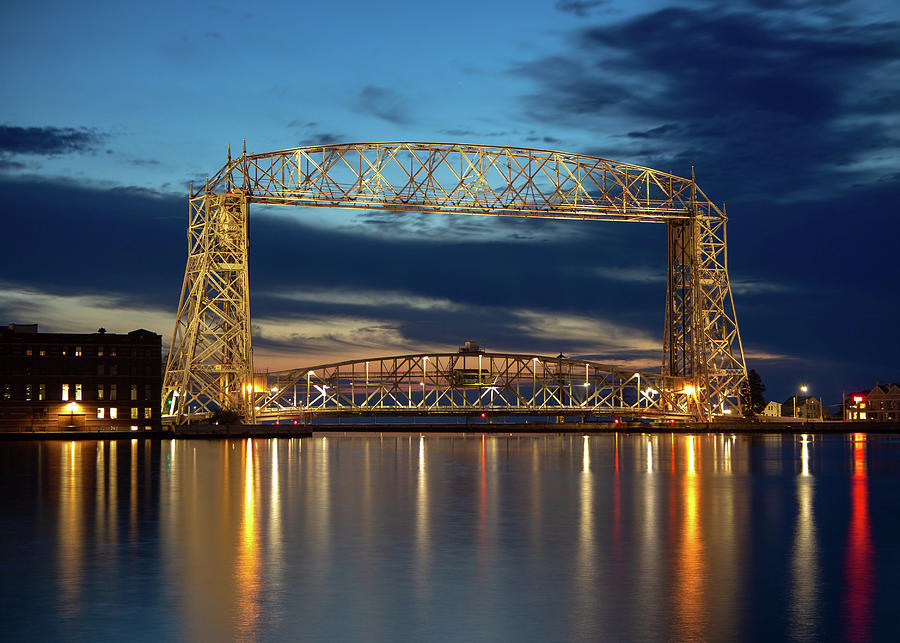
{"points": [[210, 365], [701, 340]]}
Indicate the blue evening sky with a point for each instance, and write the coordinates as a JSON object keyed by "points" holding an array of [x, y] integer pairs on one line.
{"points": [[788, 109]]}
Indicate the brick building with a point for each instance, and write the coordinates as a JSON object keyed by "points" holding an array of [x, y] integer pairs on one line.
{"points": [[77, 382]]}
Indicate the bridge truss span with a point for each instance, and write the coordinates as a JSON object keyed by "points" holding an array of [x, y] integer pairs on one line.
{"points": [[466, 383], [210, 365]]}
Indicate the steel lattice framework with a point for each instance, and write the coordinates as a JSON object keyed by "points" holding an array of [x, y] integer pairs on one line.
{"points": [[210, 364], [466, 382]]}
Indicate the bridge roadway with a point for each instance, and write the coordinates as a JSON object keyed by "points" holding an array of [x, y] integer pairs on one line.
{"points": [[471, 382]]}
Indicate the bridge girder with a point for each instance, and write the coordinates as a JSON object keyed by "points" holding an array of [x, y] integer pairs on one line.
{"points": [[210, 364], [467, 382]]}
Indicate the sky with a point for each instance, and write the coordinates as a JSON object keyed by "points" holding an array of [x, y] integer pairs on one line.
{"points": [[788, 111]]}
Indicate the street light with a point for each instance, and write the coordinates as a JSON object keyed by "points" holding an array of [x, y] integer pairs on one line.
{"points": [[803, 389]]}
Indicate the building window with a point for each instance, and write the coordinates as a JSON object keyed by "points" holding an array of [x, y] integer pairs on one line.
{"points": [[100, 412], [113, 413], [29, 352], [65, 351], [28, 392], [42, 392], [113, 370], [101, 369], [7, 391], [100, 391], [148, 391], [112, 391], [78, 351], [43, 352], [148, 413], [112, 351], [134, 413], [65, 393], [134, 391], [99, 351], [78, 388]]}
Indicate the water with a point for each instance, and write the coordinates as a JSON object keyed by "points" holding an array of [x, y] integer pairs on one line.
{"points": [[523, 538]]}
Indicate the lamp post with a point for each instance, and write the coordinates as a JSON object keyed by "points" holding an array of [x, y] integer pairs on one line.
{"points": [[803, 389]]}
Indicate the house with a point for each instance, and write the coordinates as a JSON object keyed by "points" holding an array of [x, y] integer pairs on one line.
{"points": [[855, 406], [802, 407], [773, 409], [884, 403]]}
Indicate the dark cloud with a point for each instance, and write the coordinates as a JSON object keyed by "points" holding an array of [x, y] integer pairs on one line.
{"points": [[322, 138], [49, 141], [759, 101], [129, 243], [580, 8], [143, 162], [384, 103]]}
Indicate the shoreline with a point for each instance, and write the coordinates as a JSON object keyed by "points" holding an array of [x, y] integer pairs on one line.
{"points": [[587, 428]]}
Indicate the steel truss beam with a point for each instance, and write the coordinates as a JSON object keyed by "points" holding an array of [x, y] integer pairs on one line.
{"points": [[460, 383], [210, 366]]}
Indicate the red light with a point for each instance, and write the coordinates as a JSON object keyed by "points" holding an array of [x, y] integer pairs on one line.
{"points": [[483, 415], [617, 420], [857, 398], [671, 421]]}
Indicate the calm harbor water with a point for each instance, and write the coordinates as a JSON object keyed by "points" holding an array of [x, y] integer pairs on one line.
{"points": [[514, 538]]}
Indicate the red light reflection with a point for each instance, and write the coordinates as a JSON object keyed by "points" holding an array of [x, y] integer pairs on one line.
{"points": [[858, 567]]}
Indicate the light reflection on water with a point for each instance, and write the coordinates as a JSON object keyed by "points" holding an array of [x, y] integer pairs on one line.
{"points": [[620, 536]]}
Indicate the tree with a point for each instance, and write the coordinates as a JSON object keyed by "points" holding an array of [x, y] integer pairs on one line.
{"points": [[752, 400]]}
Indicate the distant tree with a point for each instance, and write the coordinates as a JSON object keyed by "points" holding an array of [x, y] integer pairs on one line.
{"points": [[752, 400]]}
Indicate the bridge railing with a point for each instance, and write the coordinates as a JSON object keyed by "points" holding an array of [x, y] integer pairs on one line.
{"points": [[454, 383]]}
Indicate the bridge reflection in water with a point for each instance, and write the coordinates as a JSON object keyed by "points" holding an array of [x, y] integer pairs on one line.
{"points": [[472, 381], [615, 536]]}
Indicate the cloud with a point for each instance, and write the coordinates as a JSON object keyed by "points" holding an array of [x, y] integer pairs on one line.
{"points": [[785, 103], [580, 8], [49, 141], [585, 334], [384, 103], [363, 298], [82, 313]]}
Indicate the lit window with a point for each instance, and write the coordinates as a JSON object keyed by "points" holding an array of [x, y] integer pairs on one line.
{"points": [[42, 392], [112, 351], [863, 405], [148, 413], [28, 392], [100, 391], [113, 413], [43, 352], [99, 351], [78, 351], [100, 410], [65, 351], [7, 391], [134, 391], [134, 414], [134, 427], [29, 352], [78, 391], [112, 391], [65, 393]]}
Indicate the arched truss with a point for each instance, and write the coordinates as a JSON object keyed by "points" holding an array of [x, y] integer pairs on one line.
{"points": [[461, 383], [210, 364]]}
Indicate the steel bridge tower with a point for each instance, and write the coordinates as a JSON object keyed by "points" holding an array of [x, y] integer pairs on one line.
{"points": [[210, 364]]}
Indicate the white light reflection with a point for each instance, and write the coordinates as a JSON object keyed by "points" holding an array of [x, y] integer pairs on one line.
{"points": [[804, 556]]}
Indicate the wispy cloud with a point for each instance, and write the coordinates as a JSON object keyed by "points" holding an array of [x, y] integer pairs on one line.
{"points": [[384, 103], [82, 313], [49, 141]]}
